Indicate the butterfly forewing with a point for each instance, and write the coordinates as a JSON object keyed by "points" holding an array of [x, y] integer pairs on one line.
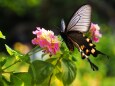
{"points": [[80, 20]]}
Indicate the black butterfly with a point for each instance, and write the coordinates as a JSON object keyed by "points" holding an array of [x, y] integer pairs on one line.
{"points": [[73, 34]]}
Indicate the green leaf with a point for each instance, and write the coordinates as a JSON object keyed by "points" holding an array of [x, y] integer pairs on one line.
{"points": [[1, 35], [52, 60], [74, 58], [68, 71], [40, 71], [0, 77], [15, 66], [2, 62], [11, 51], [6, 76], [16, 54], [21, 79], [3, 81], [25, 58]]}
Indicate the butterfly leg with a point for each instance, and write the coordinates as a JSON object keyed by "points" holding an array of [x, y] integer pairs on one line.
{"points": [[93, 66]]}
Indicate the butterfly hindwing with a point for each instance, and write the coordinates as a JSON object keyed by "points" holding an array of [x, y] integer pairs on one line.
{"points": [[84, 43]]}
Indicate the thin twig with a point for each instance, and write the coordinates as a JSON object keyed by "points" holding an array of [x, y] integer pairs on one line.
{"points": [[50, 79], [10, 65], [54, 68], [34, 50]]}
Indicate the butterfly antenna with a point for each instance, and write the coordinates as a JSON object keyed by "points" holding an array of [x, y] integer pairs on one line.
{"points": [[93, 66]]}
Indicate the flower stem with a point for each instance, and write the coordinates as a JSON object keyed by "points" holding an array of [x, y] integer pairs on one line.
{"points": [[34, 50], [50, 79], [54, 68], [10, 65]]}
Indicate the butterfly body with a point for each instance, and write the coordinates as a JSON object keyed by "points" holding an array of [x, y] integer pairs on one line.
{"points": [[67, 41], [73, 34]]}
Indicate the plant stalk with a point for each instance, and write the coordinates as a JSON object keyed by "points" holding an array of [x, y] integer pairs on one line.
{"points": [[10, 65], [52, 72]]}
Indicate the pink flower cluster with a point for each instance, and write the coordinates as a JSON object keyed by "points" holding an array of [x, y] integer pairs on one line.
{"points": [[94, 32], [46, 40]]}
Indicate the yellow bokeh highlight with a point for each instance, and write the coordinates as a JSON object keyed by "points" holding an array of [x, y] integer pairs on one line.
{"points": [[22, 48]]}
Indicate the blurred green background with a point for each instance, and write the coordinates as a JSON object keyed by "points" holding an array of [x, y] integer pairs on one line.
{"points": [[18, 18]]}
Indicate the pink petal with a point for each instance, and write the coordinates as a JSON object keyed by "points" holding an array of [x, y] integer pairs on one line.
{"points": [[95, 39], [35, 41], [46, 40]]}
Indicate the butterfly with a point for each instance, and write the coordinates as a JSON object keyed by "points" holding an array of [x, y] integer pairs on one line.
{"points": [[74, 34]]}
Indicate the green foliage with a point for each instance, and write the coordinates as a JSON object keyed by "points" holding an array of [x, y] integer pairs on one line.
{"points": [[16, 54], [11, 51], [1, 35], [20, 7], [60, 66], [68, 71], [37, 72], [63, 61], [40, 71], [8, 69], [21, 79]]}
